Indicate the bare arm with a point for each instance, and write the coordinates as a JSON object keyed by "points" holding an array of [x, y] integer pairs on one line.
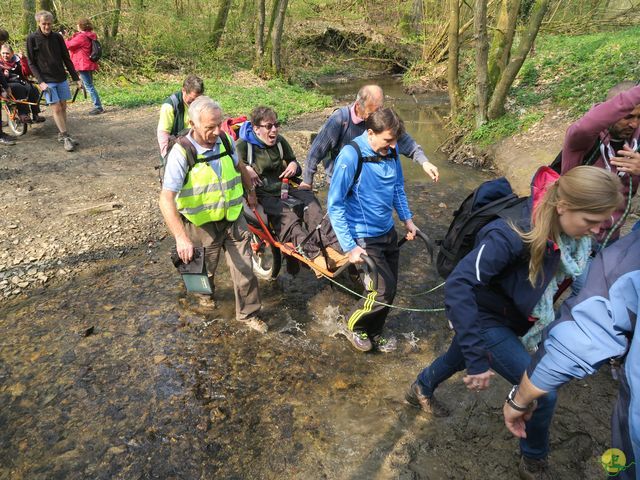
{"points": [[174, 223]]}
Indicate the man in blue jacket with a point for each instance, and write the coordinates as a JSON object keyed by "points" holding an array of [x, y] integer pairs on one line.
{"points": [[347, 123], [367, 186], [597, 326]]}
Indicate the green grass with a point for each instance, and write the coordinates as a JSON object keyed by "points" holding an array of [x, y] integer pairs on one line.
{"points": [[576, 71], [503, 127], [573, 72], [287, 100]]}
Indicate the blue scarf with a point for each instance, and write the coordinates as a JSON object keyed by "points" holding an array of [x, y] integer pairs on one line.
{"points": [[573, 258]]}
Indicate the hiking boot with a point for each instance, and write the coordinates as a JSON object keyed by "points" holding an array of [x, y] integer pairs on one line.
{"points": [[430, 405], [256, 324], [68, 144], [534, 469], [336, 259], [38, 119], [359, 340], [96, 111], [6, 140], [384, 344]]}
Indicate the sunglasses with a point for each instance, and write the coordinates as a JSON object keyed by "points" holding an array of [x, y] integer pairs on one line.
{"points": [[269, 126]]}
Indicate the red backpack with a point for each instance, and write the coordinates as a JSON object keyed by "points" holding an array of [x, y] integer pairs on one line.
{"points": [[232, 126]]}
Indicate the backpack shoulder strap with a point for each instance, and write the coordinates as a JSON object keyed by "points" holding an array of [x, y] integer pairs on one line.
{"points": [[356, 147], [226, 141], [178, 113], [190, 151], [280, 149]]}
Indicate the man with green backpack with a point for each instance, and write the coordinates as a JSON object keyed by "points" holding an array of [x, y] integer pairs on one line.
{"points": [[174, 112]]}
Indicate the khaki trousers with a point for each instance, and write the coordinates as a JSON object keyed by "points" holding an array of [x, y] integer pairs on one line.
{"points": [[234, 239]]}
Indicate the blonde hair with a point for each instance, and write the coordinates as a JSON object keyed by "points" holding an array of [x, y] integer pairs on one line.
{"points": [[585, 189]]}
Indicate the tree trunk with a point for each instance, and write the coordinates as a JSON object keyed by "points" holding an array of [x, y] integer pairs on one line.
{"points": [[276, 37], [272, 17], [28, 20], [454, 50], [49, 7], [500, 50], [115, 21], [106, 31], [218, 26], [482, 50], [261, 12], [417, 16], [496, 106]]}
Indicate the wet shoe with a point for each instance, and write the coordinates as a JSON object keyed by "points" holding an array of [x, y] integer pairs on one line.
{"points": [[68, 144], [256, 324], [336, 259], [384, 344], [430, 405], [534, 469], [6, 140], [96, 111], [38, 119], [359, 340]]}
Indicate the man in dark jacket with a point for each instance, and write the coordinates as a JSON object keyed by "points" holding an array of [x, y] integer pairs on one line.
{"points": [[347, 123], [48, 57]]}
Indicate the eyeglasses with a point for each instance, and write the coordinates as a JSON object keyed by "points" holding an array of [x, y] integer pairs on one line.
{"points": [[269, 126]]}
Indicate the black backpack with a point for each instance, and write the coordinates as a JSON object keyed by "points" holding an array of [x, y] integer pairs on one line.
{"points": [[96, 51], [492, 199], [589, 158], [191, 153]]}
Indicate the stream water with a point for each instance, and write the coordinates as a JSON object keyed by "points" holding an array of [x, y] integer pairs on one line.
{"points": [[118, 375]]}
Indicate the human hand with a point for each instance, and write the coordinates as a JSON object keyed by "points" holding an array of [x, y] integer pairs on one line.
{"points": [[184, 247], [355, 255], [253, 176], [431, 170], [627, 160], [79, 84], [43, 86], [479, 381], [411, 229], [304, 186], [290, 171], [252, 199], [515, 420]]}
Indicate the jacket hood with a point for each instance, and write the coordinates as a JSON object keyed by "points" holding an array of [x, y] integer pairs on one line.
{"points": [[248, 135], [541, 181], [89, 34]]}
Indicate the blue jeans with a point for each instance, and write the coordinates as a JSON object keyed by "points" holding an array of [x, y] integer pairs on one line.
{"points": [[509, 359], [87, 79]]}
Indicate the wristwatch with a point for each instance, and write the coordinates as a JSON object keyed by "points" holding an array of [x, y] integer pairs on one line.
{"points": [[512, 403]]}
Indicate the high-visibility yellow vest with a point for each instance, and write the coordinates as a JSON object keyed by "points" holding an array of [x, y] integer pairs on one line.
{"points": [[206, 197]]}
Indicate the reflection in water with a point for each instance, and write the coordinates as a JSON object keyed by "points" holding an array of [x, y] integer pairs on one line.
{"points": [[117, 374]]}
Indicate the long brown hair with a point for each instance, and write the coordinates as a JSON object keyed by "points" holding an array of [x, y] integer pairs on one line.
{"points": [[585, 189]]}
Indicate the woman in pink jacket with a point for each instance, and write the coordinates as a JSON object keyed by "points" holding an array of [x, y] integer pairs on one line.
{"points": [[79, 46]]}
